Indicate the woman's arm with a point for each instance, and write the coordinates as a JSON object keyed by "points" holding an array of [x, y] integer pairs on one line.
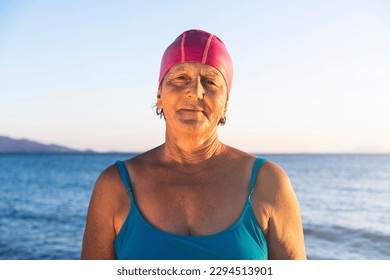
{"points": [[284, 232], [99, 235]]}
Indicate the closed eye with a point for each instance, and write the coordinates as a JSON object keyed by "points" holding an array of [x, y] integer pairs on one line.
{"points": [[210, 82], [183, 78]]}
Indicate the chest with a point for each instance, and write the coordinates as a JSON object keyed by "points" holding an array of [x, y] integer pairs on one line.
{"points": [[201, 203]]}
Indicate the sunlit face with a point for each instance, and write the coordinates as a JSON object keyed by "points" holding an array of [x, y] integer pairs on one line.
{"points": [[193, 96]]}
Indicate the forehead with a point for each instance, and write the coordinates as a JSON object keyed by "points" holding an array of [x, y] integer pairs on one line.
{"points": [[195, 67]]}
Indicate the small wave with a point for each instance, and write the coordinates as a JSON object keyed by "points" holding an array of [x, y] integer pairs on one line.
{"points": [[24, 215], [348, 243]]}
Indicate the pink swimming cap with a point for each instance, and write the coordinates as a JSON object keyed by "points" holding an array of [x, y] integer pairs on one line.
{"points": [[198, 46]]}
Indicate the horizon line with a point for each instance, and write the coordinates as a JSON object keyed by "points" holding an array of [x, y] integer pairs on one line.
{"points": [[91, 152]]}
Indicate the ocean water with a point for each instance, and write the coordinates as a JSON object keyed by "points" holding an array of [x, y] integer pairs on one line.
{"points": [[344, 200]]}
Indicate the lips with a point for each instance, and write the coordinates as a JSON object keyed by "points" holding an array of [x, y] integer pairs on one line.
{"points": [[192, 111]]}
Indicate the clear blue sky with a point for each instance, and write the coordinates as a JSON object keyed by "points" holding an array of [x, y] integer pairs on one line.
{"points": [[310, 76]]}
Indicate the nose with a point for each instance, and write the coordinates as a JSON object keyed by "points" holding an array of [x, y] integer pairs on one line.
{"points": [[196, 89]]}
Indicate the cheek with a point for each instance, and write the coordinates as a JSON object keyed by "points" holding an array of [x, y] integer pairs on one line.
{"points": [[222, 103], [217, 108], [168, 103]]}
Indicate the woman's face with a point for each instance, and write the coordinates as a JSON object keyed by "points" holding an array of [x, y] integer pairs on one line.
{"points": [[193, 97]]}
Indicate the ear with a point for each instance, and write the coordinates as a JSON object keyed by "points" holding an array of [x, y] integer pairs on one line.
{"points": [[159, 102], [226, 106]]}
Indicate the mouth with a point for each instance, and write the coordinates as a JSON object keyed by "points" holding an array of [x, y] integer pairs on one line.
{"points": [[190, 110], [193, 111]]}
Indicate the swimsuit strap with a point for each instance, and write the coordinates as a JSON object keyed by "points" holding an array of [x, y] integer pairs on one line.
{"points": [[125, 177], [256, 166]]}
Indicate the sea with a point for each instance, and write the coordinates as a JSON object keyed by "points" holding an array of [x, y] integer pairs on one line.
{"points": [[344, 201]]}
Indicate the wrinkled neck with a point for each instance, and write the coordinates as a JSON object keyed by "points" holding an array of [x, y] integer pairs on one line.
{"points": [[192, 150]]}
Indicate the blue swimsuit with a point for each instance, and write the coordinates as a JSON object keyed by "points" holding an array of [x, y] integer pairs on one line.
{"points": [[139, 240]]}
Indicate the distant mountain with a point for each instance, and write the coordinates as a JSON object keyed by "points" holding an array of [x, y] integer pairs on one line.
{"points": [[10, 145]]}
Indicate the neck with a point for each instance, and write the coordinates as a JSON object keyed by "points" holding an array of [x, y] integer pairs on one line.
{"points": [[190, 149]]}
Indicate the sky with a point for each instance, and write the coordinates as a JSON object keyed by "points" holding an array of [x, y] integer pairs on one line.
{"points": [[309, 76]]}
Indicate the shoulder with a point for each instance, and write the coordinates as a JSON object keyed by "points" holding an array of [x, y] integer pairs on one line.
{"points": [[272, 175], [143, 160], [273, 187], [109, 177], [109, 186], [231, 153]]}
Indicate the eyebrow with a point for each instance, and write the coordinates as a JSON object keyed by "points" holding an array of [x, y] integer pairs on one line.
{"points": [[213, 74], [205, 73]]}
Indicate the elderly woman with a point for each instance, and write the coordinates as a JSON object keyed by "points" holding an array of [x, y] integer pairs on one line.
{"points": [[194, 197]]}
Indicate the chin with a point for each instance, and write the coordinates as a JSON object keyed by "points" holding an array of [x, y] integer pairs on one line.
{"points": [[193, 125]]}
